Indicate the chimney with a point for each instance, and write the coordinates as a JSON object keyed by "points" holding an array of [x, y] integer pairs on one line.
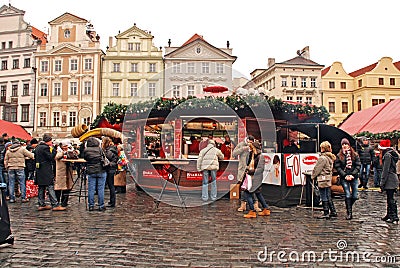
{"points": [[271, 61], [110, 41]]}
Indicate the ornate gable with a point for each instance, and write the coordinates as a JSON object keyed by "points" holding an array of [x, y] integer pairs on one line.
{"points": [[10, 11], [66, 48], [67, 17], [134, 31]]}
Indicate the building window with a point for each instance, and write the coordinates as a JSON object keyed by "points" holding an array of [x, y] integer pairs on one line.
{"points": [[380, 81], [377, 101], [74, 65], [176, 67], [299, 99], [176, 91], [56, 119], [360, 83], [289, 98], [43, 90], [345, 107], [24, 112], [3, 93], [27, 63], [15, 63], [152, 67], [152, 89], [115, 89], [284, 81], [42, 119], [3, 45], [134, 67], [294, 82], [44, 66], [14, 91], [57, 89], [309, 100], [134, 89], [67, 33], [219, 68], [73, 88], [25, 89], [57, 65], [331, 84], [130, 46], [87, 88], [10, 44], [343, 85], [205, 67], [13, 114], [191, 68], [332, 107], [72, 119], [303, 82], [190, 91], [392, 82], [88, 64], [4, 65], [116, 67], [359, 105], [137, 46], [313, 82]]}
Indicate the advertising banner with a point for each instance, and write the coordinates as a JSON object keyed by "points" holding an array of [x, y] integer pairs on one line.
{"points": [[272, 170]]}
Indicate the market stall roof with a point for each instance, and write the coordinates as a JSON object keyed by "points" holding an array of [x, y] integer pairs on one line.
{"points": [[381, 118], [326, 133], [14, 130]]}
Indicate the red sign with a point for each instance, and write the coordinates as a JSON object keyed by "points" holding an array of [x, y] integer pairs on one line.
{"points": [[154, 174], [267, 159], [177, 138], [310, 160]]}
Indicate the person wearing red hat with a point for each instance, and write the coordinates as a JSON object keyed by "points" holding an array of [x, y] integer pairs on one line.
{"points": [[348, 165], [389, 180]]}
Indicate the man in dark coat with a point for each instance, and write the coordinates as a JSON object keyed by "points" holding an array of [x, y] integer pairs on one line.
{"points": [[366, 153], [44, 156]]}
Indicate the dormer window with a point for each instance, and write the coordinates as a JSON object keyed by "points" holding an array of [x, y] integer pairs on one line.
{"points": [[67, 33], [198, 50]]}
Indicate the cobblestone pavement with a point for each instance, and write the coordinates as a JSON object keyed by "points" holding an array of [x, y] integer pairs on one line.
{"points": [[215, 235]]}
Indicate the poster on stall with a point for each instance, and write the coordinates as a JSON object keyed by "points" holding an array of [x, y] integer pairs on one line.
{"points": [[178, 138], [296, 164], [272, 170]]}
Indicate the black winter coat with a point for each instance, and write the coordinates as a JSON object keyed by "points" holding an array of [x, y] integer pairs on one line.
{"points": [[44, 158], [112, 155], [340, 166], [92, 155], [366, 153], [389, 178]]}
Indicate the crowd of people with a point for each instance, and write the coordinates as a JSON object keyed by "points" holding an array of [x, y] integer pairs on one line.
{"points": [[45, 163]]}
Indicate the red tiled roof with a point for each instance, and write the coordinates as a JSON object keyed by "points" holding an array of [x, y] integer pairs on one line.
{"points": [[193, 38], [363, 70], [37, 34], [14, 130], [397, 64], [324, 71]]}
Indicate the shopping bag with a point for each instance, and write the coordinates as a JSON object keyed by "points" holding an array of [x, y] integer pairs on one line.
{"points": [[247, 183], [31, 189]]}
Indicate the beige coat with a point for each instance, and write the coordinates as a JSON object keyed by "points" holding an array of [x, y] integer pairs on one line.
{"points": [[15, 157], [242, 151], [209, 158], [323, 170], [64, 177]]}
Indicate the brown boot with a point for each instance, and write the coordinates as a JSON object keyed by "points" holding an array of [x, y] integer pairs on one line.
{"points": [[265, 212], [242, 206], [256, 207], [44, 208], [59, 208], [251, 214]]}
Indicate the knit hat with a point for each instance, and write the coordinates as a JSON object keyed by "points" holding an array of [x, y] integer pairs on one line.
{"points": [[257, 145], [34, 141], [384, 144], [47, 137], [344, 141]]}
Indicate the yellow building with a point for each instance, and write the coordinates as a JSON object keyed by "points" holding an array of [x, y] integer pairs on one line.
{"points": [[68, 76], [344, 93], [132, 68]]}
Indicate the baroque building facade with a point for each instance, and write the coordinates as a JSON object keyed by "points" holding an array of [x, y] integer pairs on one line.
{"points": [[344, 93], [195, 65], [68, 76], [132, 68], [18, 42], [297, 80]]}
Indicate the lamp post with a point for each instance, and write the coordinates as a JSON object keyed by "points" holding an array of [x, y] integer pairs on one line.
{"points": [[34, 69]]}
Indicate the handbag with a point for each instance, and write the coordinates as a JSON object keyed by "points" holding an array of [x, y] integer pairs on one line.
{"points": [[105, 163], [247, 182]]}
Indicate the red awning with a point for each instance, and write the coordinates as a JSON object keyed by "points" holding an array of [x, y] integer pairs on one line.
{"points": [[14, 130], [215, 89], [381, 118]]}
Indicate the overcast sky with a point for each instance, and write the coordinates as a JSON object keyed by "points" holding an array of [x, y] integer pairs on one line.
{"points": [[356, 33]]}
